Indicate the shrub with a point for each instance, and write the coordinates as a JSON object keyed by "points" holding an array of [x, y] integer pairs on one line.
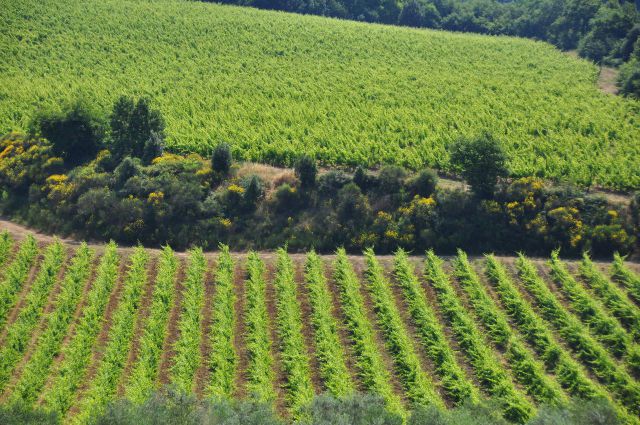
{"points": [[25, 161], [128, 168], [222, 159], [597, 411], [423, 184], [153, 148], [481, 161], [358, 409], [363, 179], [330, 183], [391, 179], [76, 132], [306, 171], [253, 192], [22, 414]]}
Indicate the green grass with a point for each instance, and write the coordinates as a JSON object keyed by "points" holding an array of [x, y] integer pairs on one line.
{"points": [[274, 85]]}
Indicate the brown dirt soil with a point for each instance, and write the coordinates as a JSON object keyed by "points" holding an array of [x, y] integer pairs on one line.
{"points": [[172, 333], [239, 340], [280, 379], [377, 333], [103, 336], [302, 293], [142, 315], [201, 378]]}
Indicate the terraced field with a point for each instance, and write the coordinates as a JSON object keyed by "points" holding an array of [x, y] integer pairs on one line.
{"points": [[84, 325], [273, 85]]}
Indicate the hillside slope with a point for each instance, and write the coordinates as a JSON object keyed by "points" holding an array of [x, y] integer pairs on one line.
{"points": [[275, 84]]}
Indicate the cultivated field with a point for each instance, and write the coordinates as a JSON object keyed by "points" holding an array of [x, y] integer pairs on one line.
{"points": [[82, 325], [274, 85]]}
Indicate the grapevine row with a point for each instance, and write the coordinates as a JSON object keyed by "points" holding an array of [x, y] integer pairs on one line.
{"points": [[456, 385], [488, 370], [612, 297], [36, 370], [16, 275], [603, 327], [586, 348], [259, 370], [295, 361], [145, 372], [418, 386], [19, 332], [223, 357], [6, 244], [373, 373], [105, 383], [67, 378], [630, 280], [187, 347], [527, 371], [329, 352]]}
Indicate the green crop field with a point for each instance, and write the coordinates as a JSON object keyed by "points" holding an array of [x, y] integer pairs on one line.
{"points": [[83, 325], [274, 85]]}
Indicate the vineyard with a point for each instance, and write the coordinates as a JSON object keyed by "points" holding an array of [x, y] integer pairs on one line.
{"points": [[84, 325], [273, 85]]}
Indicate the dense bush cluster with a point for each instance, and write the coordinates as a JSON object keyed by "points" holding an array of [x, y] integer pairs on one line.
{"points": [[172, 407], [133, 191], [603, 31]]}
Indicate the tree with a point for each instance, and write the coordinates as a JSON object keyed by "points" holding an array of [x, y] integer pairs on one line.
{"points": [[415, 13], [222, 159], [133, 124], [306, 171], [153, 148], [481, 162], [76, 133]]}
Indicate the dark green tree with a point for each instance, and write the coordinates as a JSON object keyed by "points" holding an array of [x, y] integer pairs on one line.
{"points": [[132, 125], [153, 148], [222, 159], [76, 133], [306, 170], [481, 162]]}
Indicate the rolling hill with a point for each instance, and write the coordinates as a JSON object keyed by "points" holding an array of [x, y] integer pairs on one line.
{"points": [[274, 85]]}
